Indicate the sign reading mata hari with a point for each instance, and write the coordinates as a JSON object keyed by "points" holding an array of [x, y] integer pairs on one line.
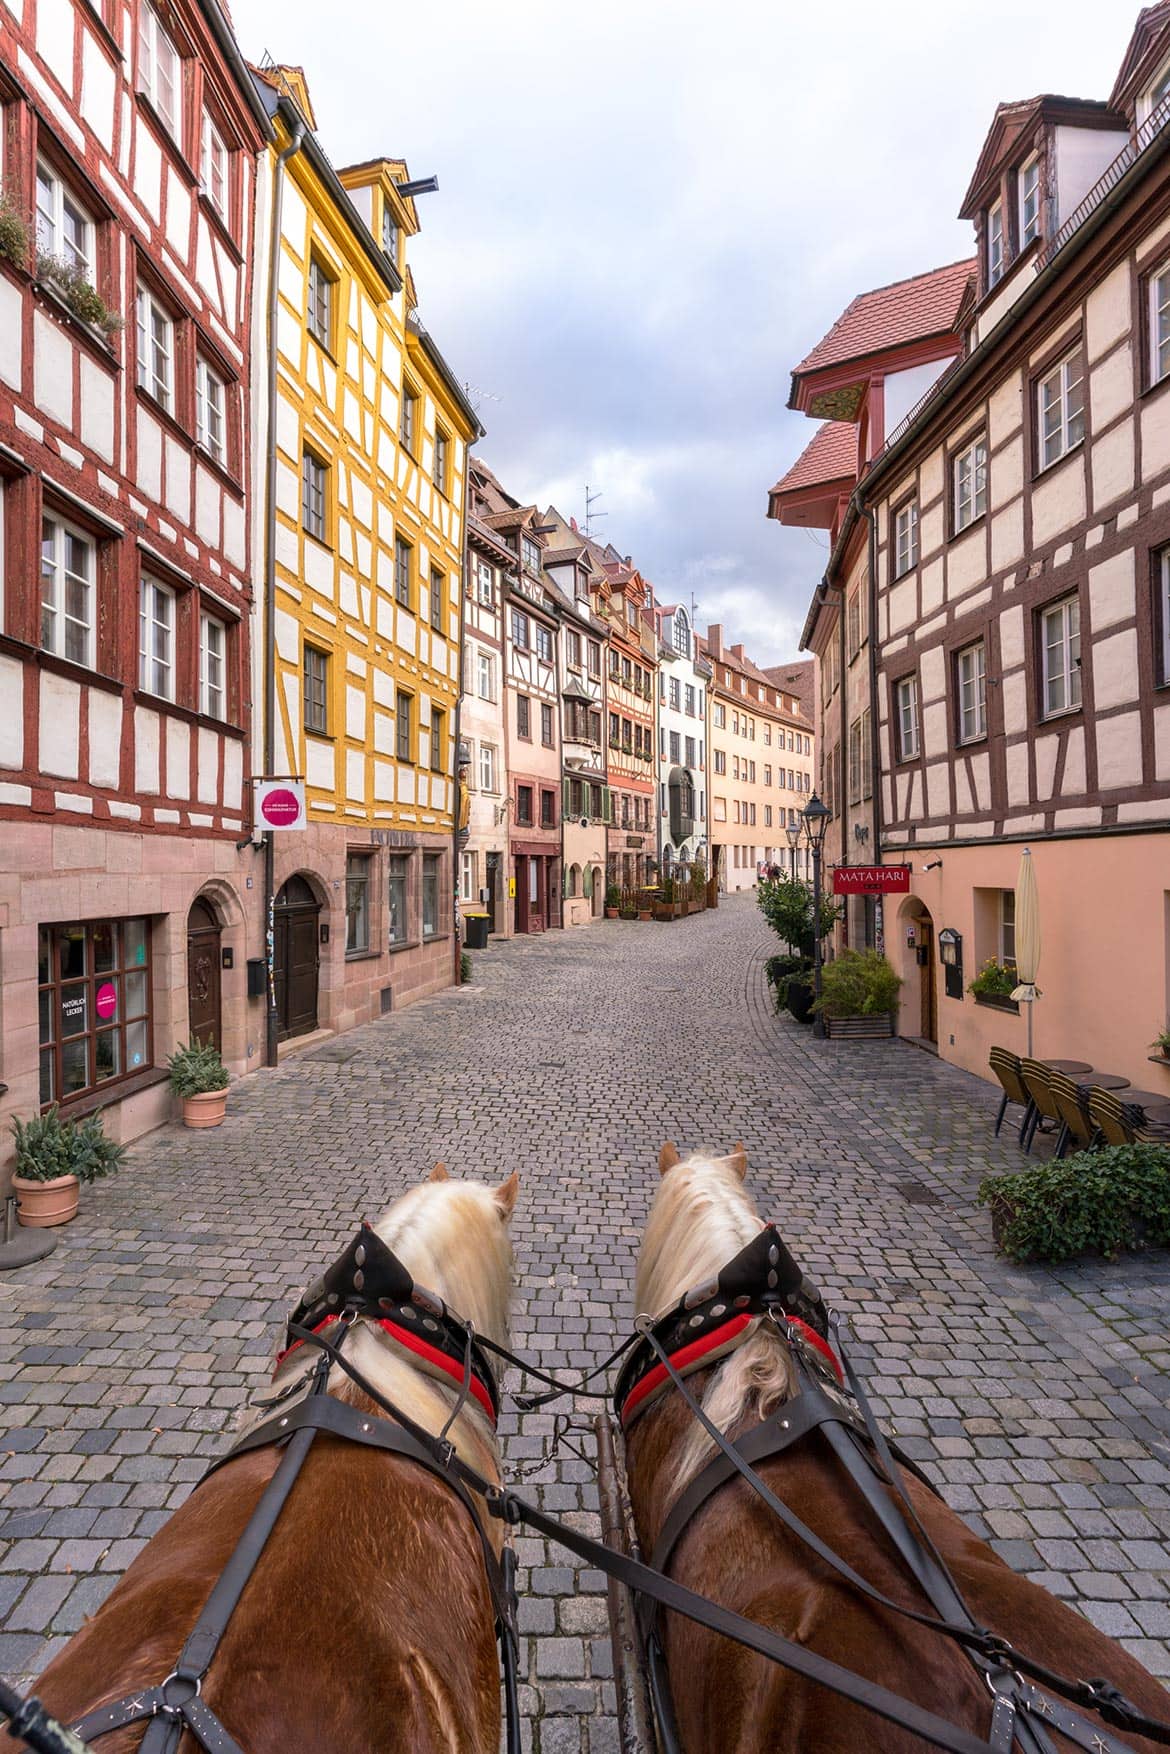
{"points": [[871, 880]]}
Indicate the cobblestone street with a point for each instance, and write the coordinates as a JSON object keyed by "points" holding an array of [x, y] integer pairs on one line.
{"points": [[1036, 1398]]}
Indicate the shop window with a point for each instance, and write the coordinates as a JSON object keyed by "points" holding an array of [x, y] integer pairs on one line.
{"points": [[398, 895], [94, 1002], [430, 895], [357, 904]]}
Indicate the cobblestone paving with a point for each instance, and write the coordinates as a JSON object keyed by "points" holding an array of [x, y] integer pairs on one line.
{"points": [[1037, 1399]]}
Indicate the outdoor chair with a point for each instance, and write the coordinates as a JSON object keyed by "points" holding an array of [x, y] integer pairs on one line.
{"points": [[1114, 1122], [1076, 1127], [1006, 1067], [1038, 1083]]}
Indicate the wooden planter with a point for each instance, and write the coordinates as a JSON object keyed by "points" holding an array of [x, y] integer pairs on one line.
{"points": [[859, 1028], [998, 1002], [40, 1205]]}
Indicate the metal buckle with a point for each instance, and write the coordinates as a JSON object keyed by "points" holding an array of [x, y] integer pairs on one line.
{"points": [[172, 1707]]}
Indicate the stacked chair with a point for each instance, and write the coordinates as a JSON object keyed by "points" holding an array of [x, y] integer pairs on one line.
{"points": [[1006, 1067], [1077, 1127], [1037, 1080]]}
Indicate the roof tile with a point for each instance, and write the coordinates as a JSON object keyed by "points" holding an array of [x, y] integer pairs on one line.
{"points": [[830, 456], [890, 316]]}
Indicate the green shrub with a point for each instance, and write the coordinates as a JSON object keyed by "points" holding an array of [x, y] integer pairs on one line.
{"points": [[15, 233], [787, 905], [197, 1069], [613, 895], [995, 979], [464, 968], [47, 1147], [859, 983], [1103, 1201]]}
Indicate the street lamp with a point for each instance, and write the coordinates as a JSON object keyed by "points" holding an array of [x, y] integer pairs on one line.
{"points": [[816, 820], [793, 832]]}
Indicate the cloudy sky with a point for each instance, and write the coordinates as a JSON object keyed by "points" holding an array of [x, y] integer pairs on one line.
{"points": [[649, 212]]}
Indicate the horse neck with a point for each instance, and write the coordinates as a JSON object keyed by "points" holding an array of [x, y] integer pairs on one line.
{"points": [[421, 1398]]}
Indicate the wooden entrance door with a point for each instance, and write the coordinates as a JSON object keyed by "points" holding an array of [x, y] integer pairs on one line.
{"points": [[495, 923], [203, 958], [924, 937], [537, 894], [295, 921]]}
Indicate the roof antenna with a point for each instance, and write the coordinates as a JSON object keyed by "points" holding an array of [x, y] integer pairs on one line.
{"points": [[475, 395], [592, 517]]}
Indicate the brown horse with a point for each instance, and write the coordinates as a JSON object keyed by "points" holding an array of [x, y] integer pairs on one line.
{"points": [[735, 1551], [367, 1625]]}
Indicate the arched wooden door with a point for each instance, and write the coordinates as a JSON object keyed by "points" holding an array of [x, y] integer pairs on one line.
{"points": [[295, 924], [204, 1019]]}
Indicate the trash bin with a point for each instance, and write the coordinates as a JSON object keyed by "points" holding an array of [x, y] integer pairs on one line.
{"points": [[475, 930]]}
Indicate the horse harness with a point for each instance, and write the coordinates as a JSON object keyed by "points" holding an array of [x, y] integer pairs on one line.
{"points": [[763, 1282], [370, 1282]]}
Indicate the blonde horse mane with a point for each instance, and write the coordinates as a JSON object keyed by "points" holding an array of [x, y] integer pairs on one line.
{"points": [[701, 1217]]}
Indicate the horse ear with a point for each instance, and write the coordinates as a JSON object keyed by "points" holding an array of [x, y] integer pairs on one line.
{"points": [[439, 1173], [738, 1159], [505, 1195], [668, 1157]]}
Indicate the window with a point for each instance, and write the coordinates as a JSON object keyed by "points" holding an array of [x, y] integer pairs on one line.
{"points": [[213, 165], [546, 724], [64, 228], [972, 667], [397, 897], [572, 648], [690, 751], [357, 904], [627, 672], [1159, 325], [156, 349], [94, 984], [767, 816], [720, 717], [314, 481], [68, 584], [487, 767], [615, 730], [210, 395], [212, 676], [467, 877], [720, 761], [485, 581], [1029, 193], [1060, 639], [1155, 96], [439, 463], [316, 667], [408, 419], [1061, 408], [530, 554], [159, 74], [905, 538], [430, 895], [906, 710], [402, 558], [594, 649], [519, 630], [390, 232], [970, 483], [524, 806], [768, 774], [403, 738], [676, 694], [485, 676], [320, 303], [675, 747], [548, 810], [594, 725], [156, 639], [544, 643], [614, 664], [1007, 926], [995, 255], [437, 584], [523, 717], [438, 741], [1163, 615], [689, 695], [682, 633]]}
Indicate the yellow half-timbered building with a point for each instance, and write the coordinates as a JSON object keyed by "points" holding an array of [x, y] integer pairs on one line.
{"points": [[367, 457]]}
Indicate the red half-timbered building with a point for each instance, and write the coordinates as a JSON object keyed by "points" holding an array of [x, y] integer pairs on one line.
{"points": [[633, 667], [130, 135]]}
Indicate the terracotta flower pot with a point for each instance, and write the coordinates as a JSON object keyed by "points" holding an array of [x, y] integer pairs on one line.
{"points": [[611, 913], [43, 1204], [206, 1109]]}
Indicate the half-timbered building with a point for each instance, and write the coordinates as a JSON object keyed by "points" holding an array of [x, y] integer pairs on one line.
{"points": [[631, 685], [483, 856], [585, 797], [129, 140]]}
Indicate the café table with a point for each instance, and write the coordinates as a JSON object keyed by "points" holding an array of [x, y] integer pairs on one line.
{"points": [[1071, 1068], [1106, 1081], [1148, 1099]]}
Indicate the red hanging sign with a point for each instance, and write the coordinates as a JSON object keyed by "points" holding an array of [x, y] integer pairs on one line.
{"points": [[871, 880]]}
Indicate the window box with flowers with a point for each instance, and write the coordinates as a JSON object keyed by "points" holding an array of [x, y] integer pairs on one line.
{"points": [[994, 985], [66, 281]]}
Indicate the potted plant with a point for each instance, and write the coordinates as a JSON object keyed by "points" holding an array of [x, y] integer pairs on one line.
{"points": [[994, 985], [53, 1158], [78, 295], [1161, 1043], [15, 233], [646, 901], [613, 901], [859, 995], [200, 1078]]}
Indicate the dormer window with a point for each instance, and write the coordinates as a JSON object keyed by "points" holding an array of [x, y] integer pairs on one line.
{"points": [[390, 233], [1029, 191], [682, 633], [994, 245], [1153, 98], [530, 554]]}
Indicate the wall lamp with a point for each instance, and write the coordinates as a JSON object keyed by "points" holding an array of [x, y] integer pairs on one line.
{"points": [[935, 865]]}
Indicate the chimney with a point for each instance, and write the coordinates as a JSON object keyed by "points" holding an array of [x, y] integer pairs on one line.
{"points": [[737, 652], [715, 639], [573, 522]]}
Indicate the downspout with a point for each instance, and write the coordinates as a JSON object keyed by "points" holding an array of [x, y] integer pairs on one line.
{"points": [[457, 789], [293, 147], [843, 752], [875, 763]]}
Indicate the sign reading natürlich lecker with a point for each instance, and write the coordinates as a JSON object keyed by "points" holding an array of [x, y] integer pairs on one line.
{"points": [[280, 804], [871, 880]]}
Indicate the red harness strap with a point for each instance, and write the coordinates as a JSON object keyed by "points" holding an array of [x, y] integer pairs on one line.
{"points": [[422, 1349], [690, 1357]]}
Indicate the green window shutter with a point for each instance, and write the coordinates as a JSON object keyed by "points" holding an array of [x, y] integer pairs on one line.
{"points": [[587, 882], [606, 805], [566, 792]]}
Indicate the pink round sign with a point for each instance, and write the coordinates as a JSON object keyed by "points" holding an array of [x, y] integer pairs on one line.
{"points": [[280, 808], [105, 1000]]}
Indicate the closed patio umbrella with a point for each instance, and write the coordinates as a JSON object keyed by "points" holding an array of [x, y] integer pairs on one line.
{"points": [[1027, 937]]}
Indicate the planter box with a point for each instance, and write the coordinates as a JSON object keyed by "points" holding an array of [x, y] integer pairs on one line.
{"points": [[859, 1028], [998, 1002], [799, 997]]}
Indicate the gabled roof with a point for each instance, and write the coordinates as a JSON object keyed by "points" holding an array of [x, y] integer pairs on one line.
{"points": [[795, 679], [1149, 42], [1012, 121], [830, 456], [562, 556], [890, 316]]}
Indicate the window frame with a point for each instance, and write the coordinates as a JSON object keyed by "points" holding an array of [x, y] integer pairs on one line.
{"points": [[154, 592], [408, 418], [438, 584], [485, 664], [1071, 420], [59, 245], [353, 878], [66, 531], [487, 769], [315, 690], [547, 731], [1028, 229], [520, 629], [52, 1041], [320, 301], [210, 138], [438, 739], [906, 693], [974, 683], [403, 568], [1157, 309], [972, 451], [542, 642], [996, 245], [524, 718], [314, 488], [398, 873], [206, 413], [1070, 672], [207, 688], [440, 460], [149, 76], [404, 727], [148, 346], [905, 540], [1162, 615]]}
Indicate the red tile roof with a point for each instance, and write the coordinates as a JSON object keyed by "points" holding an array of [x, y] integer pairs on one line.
{"points": [[831, 456], [891, 316]]}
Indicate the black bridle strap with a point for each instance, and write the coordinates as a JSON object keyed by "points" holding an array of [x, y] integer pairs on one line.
{"points": [[558, 1388]]}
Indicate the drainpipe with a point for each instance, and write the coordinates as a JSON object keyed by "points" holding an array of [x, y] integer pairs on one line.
{"points": [[293, 147], [875, 762], [457, 791], [843, 751]]}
